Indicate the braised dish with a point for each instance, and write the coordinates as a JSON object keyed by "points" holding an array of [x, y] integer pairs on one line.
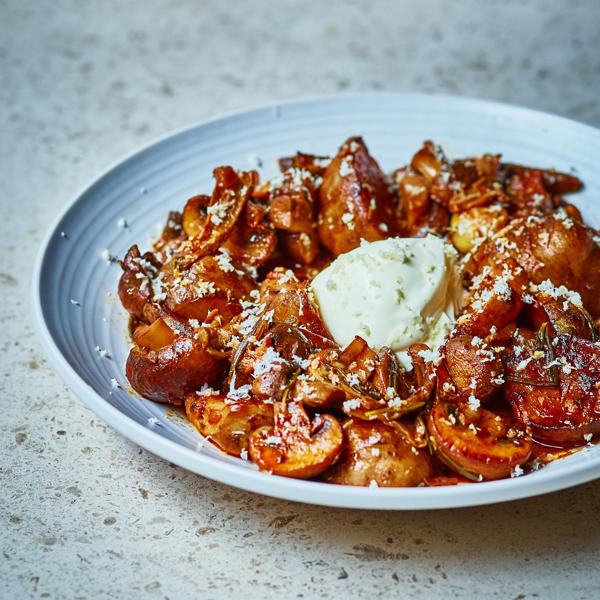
{"points": [[225, 322]]}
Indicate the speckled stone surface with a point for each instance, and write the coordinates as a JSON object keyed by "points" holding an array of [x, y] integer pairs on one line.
{"points": [[87, 514]]}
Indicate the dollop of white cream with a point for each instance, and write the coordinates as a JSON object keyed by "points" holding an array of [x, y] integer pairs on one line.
{"points": [[394, 292]]}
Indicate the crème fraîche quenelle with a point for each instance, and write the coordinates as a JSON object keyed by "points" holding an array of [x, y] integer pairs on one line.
{"points": [[394, 292]]}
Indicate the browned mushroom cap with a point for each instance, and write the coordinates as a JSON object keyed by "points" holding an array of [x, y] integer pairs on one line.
{"points": [[252, 240], [476, 443], [290, 299], [210, 221], [135, 290], [171, 372], [296, 446], [194, 216], [212, 282], [562, 317], [355, 201], [300, 247], [308, 162], [374, 452], [553, 181], [229, 424]]}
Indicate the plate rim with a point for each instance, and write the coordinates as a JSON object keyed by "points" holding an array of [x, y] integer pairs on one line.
{"points": [[250, 479]]}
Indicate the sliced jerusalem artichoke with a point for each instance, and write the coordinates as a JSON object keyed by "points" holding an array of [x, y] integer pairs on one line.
{"points": [[552, 386], [300, 247], [297, 446], [476, 443], [471, 226], [194, 217]]}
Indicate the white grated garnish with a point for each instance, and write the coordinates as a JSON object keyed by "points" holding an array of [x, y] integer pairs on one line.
{"points": [[217, 212], [517, 471], [239, 393], [474, 402], [430, 356], [103, 353], [348, 220], [271, 358], [206, 390], [351, 404], [346, 167]]}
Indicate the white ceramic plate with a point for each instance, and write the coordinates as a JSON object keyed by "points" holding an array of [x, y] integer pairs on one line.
{"points": [[144, 187]]}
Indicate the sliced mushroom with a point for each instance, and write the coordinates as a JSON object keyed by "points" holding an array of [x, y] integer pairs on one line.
{"points": [[297, 446], [229, 424], [378, 454]]}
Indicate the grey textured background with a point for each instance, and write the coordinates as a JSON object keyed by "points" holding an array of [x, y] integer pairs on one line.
{"points": [[85, 513]]}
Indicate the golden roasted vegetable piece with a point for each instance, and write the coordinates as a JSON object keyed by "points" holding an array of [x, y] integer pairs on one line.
{"points": [[297, 446], [474, 369], [135, 289], [354, 200], [561, 315], [290, 300], [552, 181], [300, 247], [378, 454], [229, 424], [553, 247], [315, 165], [208, 221], [252, 240], [171, 372], [469, 228], [171, 236], [155, 336], [272, 359], [194, 216], [293, 211], [552, 385], [493, 304], [532, 190], [475, 442], [212, 282]]}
